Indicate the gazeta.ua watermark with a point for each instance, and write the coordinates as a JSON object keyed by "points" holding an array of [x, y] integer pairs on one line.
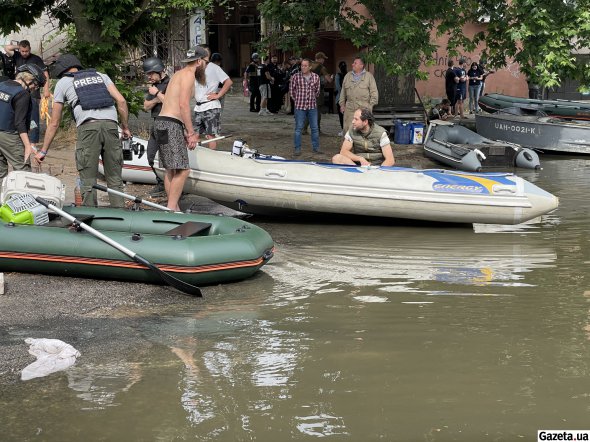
{"points": [[575, 435]]}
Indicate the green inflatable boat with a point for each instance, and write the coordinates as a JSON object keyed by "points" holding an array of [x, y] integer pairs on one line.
{"points": [[196, 249]]}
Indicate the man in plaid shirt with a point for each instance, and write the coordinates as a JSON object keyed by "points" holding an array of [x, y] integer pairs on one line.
{"points": [[305, 88]]}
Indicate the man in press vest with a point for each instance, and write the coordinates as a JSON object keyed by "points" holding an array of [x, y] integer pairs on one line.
{"points": [[94, 101]]}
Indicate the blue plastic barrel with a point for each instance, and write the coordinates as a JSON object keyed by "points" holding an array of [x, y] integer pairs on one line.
{"points": [[403, 130]]}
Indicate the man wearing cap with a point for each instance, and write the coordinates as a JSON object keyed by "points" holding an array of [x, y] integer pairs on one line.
{"points": [[174, 127], [94, 100], [251, 75], [317, 67], [359, 90], [207, 111]]}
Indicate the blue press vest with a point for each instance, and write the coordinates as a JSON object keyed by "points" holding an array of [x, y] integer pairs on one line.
{"points": [[7, 93], [91, 90]]}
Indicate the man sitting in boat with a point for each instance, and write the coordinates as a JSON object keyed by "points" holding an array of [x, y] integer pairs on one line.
{"points": [[365, 143]]}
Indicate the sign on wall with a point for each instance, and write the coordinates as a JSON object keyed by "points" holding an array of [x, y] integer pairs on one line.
{"points": [[197, 27]]}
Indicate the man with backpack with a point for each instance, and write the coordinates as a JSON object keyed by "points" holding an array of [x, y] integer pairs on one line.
{"points": [[94, 100]]}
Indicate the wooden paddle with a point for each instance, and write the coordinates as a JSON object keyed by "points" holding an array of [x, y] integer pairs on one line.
{"points": [[165, 277]]}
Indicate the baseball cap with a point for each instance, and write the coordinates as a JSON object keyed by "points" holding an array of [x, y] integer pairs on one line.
{"points": [[195, 53]]}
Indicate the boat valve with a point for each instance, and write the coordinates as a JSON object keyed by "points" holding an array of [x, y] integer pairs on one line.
{"points": [[136, 237]]}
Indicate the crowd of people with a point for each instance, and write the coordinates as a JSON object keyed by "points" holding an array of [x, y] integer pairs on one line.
{"points": [[101, 114], [459, 82]]}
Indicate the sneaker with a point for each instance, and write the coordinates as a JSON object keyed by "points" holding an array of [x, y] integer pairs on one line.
{"points": [[317, 152], [263, 112], [297, 152]]}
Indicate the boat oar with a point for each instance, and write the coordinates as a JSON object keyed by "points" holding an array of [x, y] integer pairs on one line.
{"points": [[135, 199], [167, 278], [211, 140]]}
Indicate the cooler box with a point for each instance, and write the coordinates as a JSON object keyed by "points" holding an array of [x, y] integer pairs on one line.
{"points": [[402, 133], [37, 184], [417, 133]]}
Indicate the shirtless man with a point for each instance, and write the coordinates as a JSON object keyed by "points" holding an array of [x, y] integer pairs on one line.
{"points": [[174, 127]]}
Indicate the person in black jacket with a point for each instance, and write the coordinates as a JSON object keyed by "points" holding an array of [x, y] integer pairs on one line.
{"points": [[450, 85], [15, 118]]}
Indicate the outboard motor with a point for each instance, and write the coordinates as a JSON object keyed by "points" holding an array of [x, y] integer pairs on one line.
{"points": [[528, 159], [240, 148]]}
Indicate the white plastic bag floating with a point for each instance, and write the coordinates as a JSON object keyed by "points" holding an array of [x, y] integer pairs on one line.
{"points": [[52, 355]]}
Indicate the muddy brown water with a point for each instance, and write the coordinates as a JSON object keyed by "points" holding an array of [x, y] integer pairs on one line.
{"points": [[353, 332]]}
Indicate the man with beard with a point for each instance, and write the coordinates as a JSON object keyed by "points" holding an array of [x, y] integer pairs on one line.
{"points": [[174, 126], [207, 110], [365, 143]]}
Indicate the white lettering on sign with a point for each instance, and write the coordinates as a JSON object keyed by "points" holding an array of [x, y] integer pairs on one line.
{"points": [[88, 81], [5, 97], [515, 128]]}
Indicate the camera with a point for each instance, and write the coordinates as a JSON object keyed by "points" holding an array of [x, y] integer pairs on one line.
{"points": [[127, 153]]}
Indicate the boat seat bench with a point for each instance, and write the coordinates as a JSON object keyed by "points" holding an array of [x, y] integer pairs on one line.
{"points": [[188, 229]]}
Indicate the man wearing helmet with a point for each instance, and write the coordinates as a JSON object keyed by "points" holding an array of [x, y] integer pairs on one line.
{"points": [[21, 54], [156, 75], [94, 100], [15, 117]]}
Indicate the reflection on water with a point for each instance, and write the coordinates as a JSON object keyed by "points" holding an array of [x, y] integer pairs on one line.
{"points": [[406, 260], [359, 333]]}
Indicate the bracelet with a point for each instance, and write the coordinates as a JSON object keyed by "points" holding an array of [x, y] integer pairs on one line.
{"points": [[43, 152]]}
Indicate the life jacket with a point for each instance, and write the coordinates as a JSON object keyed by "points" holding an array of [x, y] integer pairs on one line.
{"points": [[91, 90], [368, 146], [8, 92]]}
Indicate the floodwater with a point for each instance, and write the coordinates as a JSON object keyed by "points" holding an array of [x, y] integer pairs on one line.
{"points": [[360, 333]]}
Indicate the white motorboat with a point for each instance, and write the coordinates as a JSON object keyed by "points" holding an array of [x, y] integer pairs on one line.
{"points": [[270, 186]]}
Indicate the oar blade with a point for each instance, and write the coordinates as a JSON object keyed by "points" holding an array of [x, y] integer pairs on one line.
{"points": [[178, 284]]}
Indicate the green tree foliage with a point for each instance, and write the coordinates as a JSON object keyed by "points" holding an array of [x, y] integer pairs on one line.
{"points": [[543, 36], [99, 30]]}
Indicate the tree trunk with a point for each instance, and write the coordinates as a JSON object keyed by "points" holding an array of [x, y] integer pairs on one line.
{"points": [[394, 90], [86, 31]]}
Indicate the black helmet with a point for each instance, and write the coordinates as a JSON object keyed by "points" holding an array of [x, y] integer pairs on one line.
{"points": [[35, 71], [153, 64], [63, 63]]}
